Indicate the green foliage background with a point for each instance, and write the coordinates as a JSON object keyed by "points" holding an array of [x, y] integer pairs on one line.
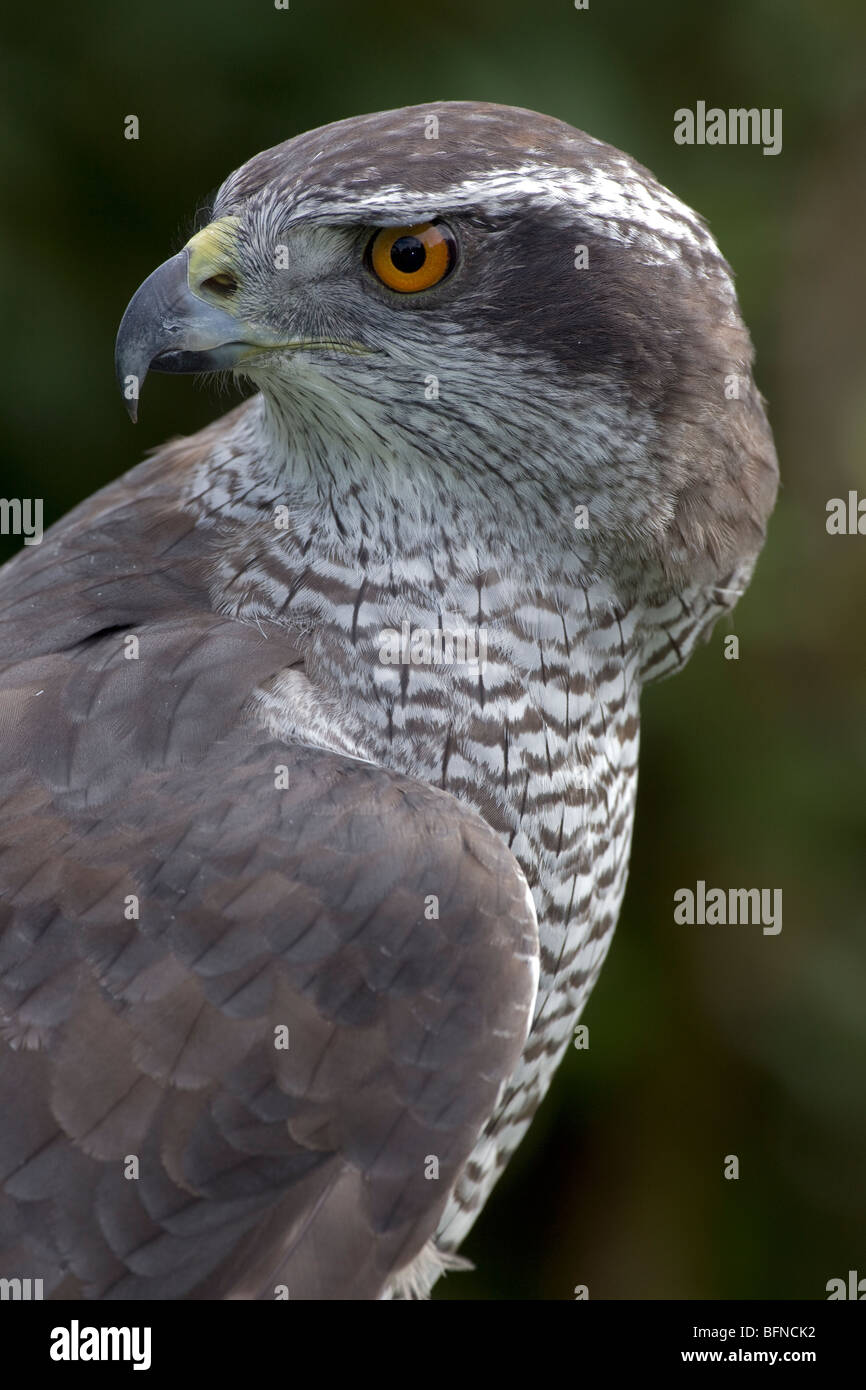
{"points": [[705, 1041]]}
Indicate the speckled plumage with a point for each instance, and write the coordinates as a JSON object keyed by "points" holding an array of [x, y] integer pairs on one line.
{"points": [[347, 498]]}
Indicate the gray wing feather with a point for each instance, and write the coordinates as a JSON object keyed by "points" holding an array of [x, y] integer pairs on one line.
{"points": [[151, 1035]]}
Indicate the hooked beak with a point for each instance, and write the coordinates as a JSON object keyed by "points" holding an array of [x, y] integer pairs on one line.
{"points": [[175, 322]]}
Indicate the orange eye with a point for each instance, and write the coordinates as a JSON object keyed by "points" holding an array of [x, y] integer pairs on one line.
{"points": [[412, 258]]}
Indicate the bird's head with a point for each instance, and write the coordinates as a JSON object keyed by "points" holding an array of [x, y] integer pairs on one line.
{"points": [[468, 310]]}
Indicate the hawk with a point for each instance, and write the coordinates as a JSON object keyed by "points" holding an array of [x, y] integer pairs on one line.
{"points": [[320, 728]]}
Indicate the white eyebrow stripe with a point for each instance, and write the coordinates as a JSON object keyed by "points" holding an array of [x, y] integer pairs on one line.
{"points": [[621, 207]]}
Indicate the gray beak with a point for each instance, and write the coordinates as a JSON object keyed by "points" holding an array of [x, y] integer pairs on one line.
{"points": [[168, 328]]}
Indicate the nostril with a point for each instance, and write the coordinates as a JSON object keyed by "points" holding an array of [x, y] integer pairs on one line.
{"points": [[222, 284]]}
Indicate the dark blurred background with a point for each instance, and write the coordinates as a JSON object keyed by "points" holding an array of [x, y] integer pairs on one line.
{"points": [[704, 1041]]}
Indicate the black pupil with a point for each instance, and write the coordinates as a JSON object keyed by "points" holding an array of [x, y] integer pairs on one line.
{"points": [[408, 254]]}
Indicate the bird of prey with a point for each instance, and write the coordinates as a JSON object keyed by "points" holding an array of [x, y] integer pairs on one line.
{"points": [[320, 727]]}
